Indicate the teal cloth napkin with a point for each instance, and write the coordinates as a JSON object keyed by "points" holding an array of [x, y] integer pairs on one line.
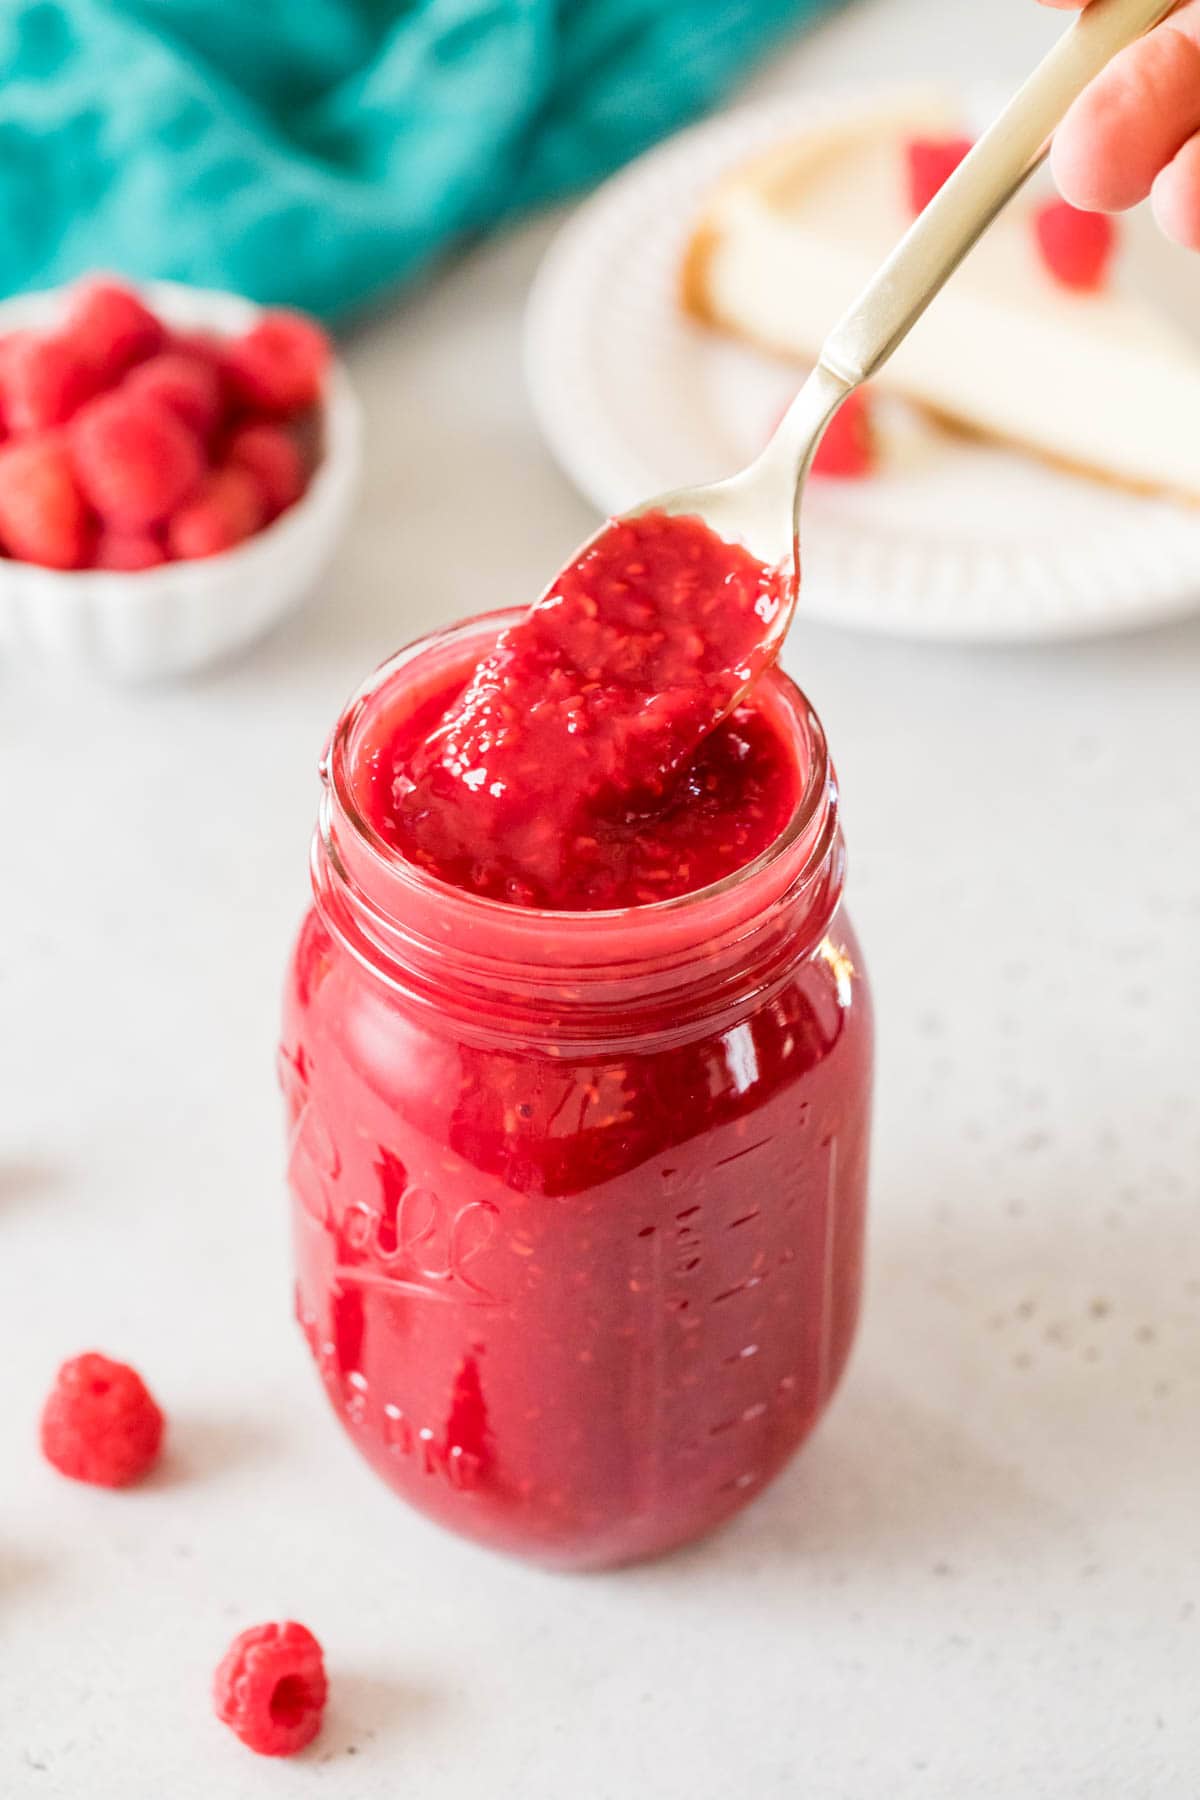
{"points": [[319, 152]]}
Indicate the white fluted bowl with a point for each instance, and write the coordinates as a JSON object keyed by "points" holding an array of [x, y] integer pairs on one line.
{"points": [[148, 624]]}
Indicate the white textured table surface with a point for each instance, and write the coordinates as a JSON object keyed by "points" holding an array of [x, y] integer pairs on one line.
{"points": [[982, 1577]]}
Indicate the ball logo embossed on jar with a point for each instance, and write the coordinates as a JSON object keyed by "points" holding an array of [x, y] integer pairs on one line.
{"points": [[454, 1462], [412, 1238], [460, 1454]]}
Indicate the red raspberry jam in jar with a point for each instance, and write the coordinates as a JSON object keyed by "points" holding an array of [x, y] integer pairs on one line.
{"points": [[579, 1190]]}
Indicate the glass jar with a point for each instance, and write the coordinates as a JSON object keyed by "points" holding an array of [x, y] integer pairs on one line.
{"points": [[578, 1197]]}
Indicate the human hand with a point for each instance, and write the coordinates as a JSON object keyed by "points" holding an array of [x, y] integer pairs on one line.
{"points": [[1136, 129]]}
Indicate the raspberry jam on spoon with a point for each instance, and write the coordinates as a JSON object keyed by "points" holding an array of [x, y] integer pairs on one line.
{"points": [[599, 756]]}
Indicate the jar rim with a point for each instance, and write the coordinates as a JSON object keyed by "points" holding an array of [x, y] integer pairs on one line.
{"points": [[336, 769]]}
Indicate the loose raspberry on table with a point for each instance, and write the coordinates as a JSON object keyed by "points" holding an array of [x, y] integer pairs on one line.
{"points": [[931, 163], [112, 328], [848, 448], [272, 455], [279, 365], [1077, 247], [128, 550], [100, 1423], [270, 1688], [43, 381], [186, 385], [43, 517], [135, 459], [228, 507]]}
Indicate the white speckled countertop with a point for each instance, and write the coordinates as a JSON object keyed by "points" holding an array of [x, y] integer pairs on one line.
{"points": [[982, 1577]]}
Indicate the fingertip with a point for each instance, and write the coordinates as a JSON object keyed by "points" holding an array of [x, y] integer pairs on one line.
{"points": [[1071, 168], [1175, 197], [1110, 146], [1130, 122], [1084, 171]]}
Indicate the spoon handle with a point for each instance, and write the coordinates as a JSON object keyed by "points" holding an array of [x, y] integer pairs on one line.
{"points": [[1003, 158]]}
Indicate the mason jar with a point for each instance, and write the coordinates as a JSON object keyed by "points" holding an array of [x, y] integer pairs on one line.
{"points": [[578, 1197]]}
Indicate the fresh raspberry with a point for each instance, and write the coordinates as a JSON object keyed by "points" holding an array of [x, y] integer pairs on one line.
{"points": [[278, 366], [1076, 246], [205, 346], [135, 459], [273, 457], [184, 384], [43, 518], [228, 507], [848, 447], [128, 550], [270, 1688], [111, 328], [100, 1423], [931, 163], [43, 380]]}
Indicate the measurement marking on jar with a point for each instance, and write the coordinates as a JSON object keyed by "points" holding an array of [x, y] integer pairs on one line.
{"points": [[740, 1481], [743, 1287], [746, 1417], [723, 1162]]}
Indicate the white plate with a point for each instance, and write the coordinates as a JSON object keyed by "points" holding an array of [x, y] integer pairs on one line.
{"points": [[952, 539]]}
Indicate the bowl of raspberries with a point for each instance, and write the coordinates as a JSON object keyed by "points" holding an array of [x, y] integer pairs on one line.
{"points": [[176, 468]]}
